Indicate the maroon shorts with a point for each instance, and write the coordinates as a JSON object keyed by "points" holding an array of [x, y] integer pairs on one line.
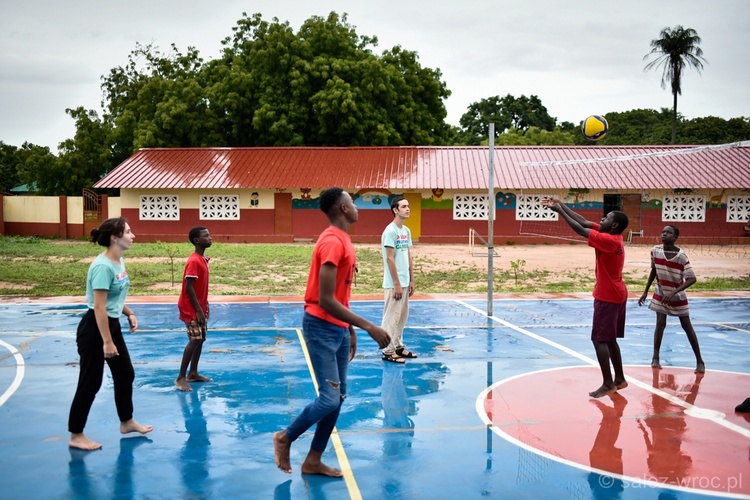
{"points": [[609, 321]]}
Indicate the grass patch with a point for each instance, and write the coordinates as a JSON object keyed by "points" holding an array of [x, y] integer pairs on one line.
{"points": [[41, 267]]}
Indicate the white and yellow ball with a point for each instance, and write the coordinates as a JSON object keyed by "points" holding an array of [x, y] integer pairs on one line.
{"points": [[594, 128]]}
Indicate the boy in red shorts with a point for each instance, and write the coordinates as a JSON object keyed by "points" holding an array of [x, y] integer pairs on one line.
{"points": [[193, 307], [610, 292]]}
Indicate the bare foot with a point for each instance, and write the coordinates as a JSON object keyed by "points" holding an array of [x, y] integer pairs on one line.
{"points": [[181, 383], [700, 368], [281, 448], [620, 385], [321, 469], [603, 391], [655, 363], [199, 378], [82, 442], [133, 426]]}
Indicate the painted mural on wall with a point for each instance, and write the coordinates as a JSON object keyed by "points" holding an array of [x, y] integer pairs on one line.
{"points": [[580, 199], [363, 200], [431, 204], [372, 201], [714, 199], [505, 201]]}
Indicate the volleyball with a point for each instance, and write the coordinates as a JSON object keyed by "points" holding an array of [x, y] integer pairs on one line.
{"points": [[594, 127]]}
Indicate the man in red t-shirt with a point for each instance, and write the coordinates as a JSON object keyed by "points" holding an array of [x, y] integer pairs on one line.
{"points": [[610, 292], [328, 328], [193, 307]]}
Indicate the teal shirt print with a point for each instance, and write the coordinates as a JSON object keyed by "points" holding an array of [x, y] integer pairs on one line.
{"points": [[106, 275], [400, 240]]}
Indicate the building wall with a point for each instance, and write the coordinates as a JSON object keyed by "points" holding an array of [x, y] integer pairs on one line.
{"points": [[43, 216], [114, 208], [32, 209], [294, 215]]}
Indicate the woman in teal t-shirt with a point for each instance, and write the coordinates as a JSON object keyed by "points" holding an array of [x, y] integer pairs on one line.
{"points": [[99, 336]]}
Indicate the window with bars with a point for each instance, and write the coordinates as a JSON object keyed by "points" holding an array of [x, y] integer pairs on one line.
{"points": [[159, 207], [684, 208], [529, 207], [470, 206], [738, 208], [220, 207]]}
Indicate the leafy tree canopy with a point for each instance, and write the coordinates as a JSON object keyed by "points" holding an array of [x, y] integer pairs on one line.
{"points": [[322, 85], [37, 165], [506, 113], [533, 136], [8, 167]]}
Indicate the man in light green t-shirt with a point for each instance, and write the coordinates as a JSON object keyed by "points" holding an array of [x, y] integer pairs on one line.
{"points": [[398, 280]]}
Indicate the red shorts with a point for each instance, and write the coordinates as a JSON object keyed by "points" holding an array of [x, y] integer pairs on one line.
{"points": [[609, 321]]}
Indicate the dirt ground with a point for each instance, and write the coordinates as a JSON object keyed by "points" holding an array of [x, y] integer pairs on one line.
{"points": [[706, 261]]}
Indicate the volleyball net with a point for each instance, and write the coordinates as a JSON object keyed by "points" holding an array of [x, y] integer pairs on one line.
{"points": [[684, 187]]}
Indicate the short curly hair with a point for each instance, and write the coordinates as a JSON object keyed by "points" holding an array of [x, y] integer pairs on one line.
{"points": [[329, 198]]}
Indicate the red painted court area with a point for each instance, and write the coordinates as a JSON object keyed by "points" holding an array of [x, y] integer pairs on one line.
{"points": [[668, 427]]}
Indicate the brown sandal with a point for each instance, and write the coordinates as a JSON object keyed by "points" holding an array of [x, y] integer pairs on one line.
{"points": [[402, 352], [393, 358]]}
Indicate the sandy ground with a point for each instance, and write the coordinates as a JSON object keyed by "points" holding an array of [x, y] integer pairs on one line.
{"points": [[706, 261]]}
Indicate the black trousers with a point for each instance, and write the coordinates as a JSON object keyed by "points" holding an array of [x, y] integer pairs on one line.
{"points": [[91, 352]]}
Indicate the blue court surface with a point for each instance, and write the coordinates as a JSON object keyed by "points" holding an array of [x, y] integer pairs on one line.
{"points": [[494, 407]]}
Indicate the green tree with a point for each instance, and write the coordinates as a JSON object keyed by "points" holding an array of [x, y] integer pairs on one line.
{"points": [[159, 100], [714, 130], [86, 157], [323, 86], [506, 113], [533, 136], [638, 126], [8, 167], [81, 162], [676, 49], [38, 166]]}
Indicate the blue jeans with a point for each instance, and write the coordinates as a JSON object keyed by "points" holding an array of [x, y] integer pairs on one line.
{"points": [[328, 347]]}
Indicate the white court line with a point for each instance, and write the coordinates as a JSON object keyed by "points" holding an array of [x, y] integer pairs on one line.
{"points": [[695, 411], [20, 371], [479, 407]]}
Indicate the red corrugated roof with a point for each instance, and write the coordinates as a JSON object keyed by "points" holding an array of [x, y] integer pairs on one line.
{"points": [[427, 167]]}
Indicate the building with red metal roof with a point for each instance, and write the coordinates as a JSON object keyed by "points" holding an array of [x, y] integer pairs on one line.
{"points": [[270, 194]]}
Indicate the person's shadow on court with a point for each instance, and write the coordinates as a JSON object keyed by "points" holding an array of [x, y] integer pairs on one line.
{"points": [[78, 476], [398, 428], [124, 474], [666, 460], [604, 455], [194, 456]]}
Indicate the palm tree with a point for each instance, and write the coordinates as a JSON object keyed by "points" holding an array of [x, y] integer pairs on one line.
{"points": [[676, 48]]}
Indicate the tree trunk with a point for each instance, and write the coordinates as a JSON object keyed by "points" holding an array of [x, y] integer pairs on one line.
{"points": [[674, 118]]}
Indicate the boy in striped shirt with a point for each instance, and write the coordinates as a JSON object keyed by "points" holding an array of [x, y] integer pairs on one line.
{"points": [[671, 268]]}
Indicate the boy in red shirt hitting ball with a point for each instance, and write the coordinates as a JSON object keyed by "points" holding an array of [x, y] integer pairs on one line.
{"points": [[610, 292]]}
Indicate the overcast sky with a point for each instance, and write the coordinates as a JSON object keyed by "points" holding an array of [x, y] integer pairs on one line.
{"points": [[580, 58]]}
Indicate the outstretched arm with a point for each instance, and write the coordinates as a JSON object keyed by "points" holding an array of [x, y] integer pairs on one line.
{"points": [[574, 220], [549, 201]]}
